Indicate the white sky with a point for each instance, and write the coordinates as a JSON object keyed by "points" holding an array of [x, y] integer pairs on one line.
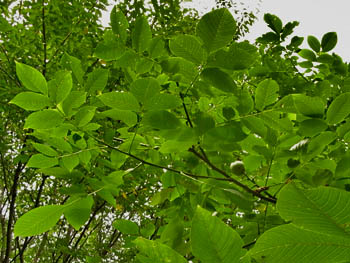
{"points": [[316, 17]]}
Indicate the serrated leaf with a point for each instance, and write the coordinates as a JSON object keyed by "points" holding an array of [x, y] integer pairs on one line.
{"points": [[31, 101], [329, 41], [323, 209], [141, 35], [156, 252], [41, 161], [213, 241], [219, 79], [339, 109], [288, 243], [38, 220], [189, 48], [78, 210], [45, 119], [266, 93], [216, 29], [31, 78], [126, 227], [314, 43], [120, 101]]}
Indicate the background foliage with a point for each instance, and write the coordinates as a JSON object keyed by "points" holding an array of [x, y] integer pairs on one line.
{"points": [[165, 138]]}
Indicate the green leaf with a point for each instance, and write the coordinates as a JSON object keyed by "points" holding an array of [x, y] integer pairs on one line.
{"points": [[111, 48], [239, 56], [78, 210], [161, 120], [60, 86], [84, 115], [126, 227], [273, 22], [45, 119], [163, 101], [312, 127], [307, 54], [287, 243], [266, 93], [73, 64], [189, 48], [38, 220], [70, 161], [31, 101], [31, 78], [339, 109], [45, 149], [314, 43], [141, 35], [229, 133], [41, 161], [329, 41], [219, 79], [156, 48], [119, 23], [155, 252], [323, 209], [144, 89], [216, 29], [120, 101], [213, 241], [128, 117], [97, 80], [74, 100]]}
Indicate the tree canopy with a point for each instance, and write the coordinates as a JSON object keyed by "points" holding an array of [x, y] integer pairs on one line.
{"points": [[167, 138]]}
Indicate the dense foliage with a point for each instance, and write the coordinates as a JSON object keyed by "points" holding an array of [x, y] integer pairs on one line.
{"points": [[169, 140]]}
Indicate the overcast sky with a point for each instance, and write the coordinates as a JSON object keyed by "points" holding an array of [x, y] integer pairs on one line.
{"points": [[316, 17]]}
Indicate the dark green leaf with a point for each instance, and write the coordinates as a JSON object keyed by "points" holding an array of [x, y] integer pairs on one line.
{"points": [[329, 41], [273, 22], [266, 93], [189, 48], [216, 29], [314, 43], [161, 120], [339, 109], [219, 79]]}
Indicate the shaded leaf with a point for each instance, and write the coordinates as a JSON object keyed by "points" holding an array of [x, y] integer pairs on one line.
{"points": [[141, 35], [266, 93], [216, 29]]}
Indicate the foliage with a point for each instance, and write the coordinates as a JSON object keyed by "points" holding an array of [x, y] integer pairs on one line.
{"points": [[132, 144]]}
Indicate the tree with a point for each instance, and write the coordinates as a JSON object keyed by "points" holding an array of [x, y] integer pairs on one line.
{"points": [[131, 144]]}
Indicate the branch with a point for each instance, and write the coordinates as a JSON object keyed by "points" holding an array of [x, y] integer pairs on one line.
{"points": [[18, 171], [238, 183], [227, 177], [44, 38]]}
